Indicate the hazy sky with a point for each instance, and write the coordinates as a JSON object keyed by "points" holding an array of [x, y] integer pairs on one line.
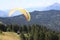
{"points": [[9, 4]]}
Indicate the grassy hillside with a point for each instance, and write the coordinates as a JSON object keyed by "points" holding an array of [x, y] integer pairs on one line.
{"points": [[9, 36]]}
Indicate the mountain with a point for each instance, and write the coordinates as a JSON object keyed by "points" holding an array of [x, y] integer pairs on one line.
{"points": [[55, 6], [51, 19], [3, 14]]}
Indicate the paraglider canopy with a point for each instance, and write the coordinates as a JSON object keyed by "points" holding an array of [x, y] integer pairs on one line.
{"points": [[23, 11]]}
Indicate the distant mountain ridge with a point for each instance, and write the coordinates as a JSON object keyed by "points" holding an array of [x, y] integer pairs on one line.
{"points": [[55, 6], [3, 13]]}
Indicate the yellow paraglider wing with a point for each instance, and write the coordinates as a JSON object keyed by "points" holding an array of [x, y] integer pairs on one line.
{"points": [[25, 13]]}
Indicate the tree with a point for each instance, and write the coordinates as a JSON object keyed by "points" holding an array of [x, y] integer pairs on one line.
{"points": [[22, 36]]}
